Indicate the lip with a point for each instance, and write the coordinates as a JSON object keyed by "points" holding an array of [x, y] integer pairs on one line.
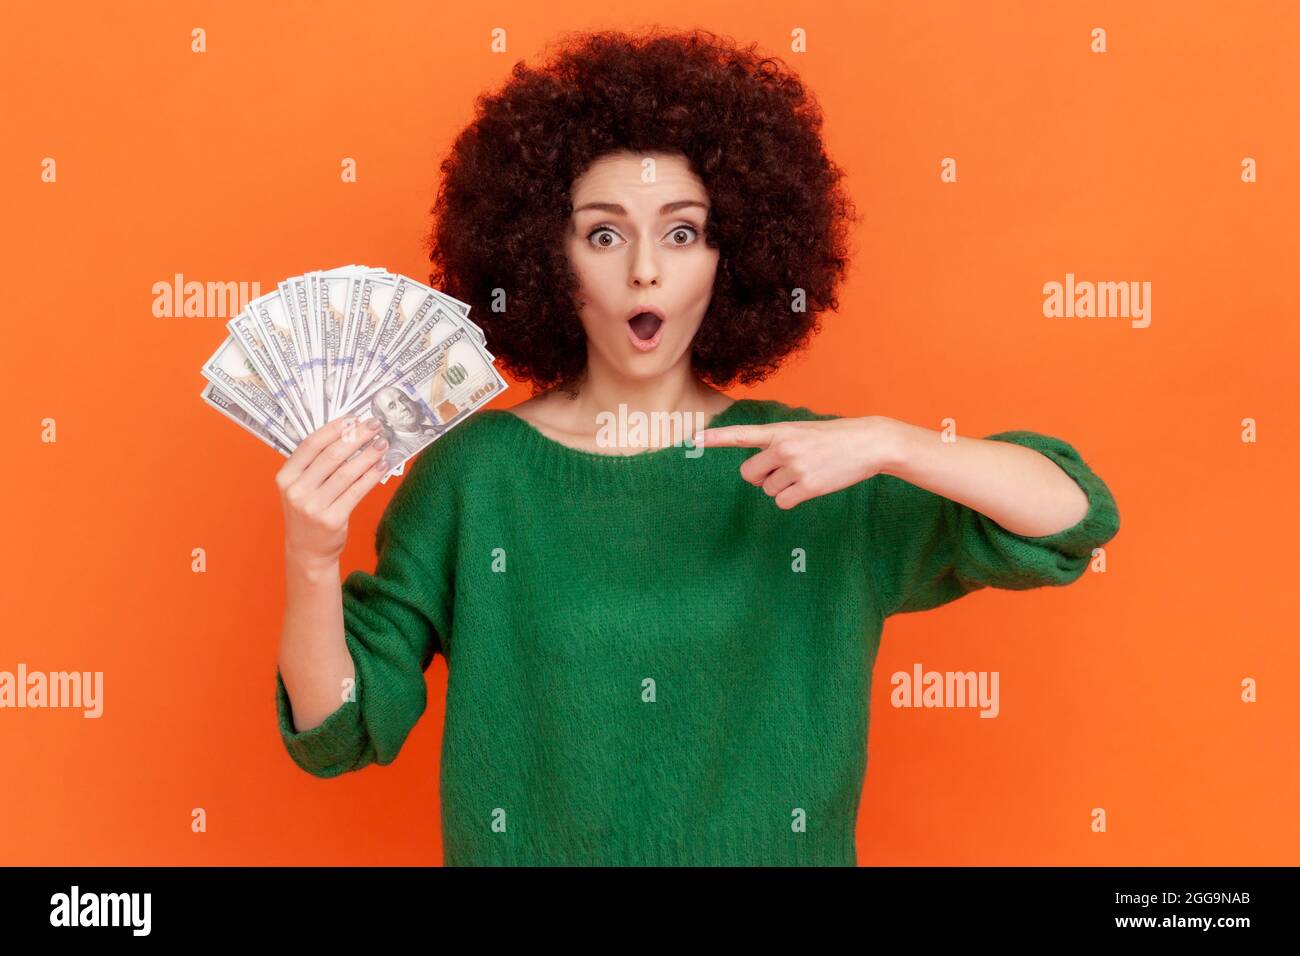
{"points": [[638, 309], [645, 345]]}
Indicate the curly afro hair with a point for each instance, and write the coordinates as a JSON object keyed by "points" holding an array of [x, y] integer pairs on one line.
{"points": [[751, 132]]}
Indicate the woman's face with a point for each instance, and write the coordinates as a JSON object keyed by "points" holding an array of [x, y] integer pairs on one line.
{"points": [[636, 240]]}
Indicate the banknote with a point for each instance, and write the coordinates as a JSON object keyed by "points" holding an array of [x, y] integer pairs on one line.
{"points": [[428, 324], [230, 367], [270, 315], [308, 346], [244, 329], [217, 397], [395, 322], [443, 386], [336, 294], [356, 340], [372, 302]]}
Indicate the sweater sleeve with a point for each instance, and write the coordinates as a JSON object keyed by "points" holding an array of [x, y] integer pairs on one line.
{"points": [[927, 550], [391, 622]]}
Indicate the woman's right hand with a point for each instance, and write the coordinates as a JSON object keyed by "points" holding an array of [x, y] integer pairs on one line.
{"points": [[322, 481]]}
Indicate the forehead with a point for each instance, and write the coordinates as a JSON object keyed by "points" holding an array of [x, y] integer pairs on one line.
{"points": [[615, 177]]}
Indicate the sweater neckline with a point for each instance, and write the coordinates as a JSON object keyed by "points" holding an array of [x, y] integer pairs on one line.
{"points": [[541, 452]]}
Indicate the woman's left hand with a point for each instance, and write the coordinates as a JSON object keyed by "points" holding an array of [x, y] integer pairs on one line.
{"points": [[801, 460]]}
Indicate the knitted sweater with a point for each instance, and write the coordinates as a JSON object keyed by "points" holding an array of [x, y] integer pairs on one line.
{"points": [[649, 663]]}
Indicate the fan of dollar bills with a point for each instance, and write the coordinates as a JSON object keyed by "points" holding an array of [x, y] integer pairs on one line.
{"points": [[352, 341]]}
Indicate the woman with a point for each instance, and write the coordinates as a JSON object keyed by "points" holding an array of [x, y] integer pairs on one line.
{"points": [[658, 653]]}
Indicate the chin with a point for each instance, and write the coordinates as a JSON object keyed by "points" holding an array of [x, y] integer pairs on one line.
{"points": [[646, 366], [644, 373]]}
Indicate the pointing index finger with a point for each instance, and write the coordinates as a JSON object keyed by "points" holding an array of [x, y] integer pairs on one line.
{"points": [[735, 436]]}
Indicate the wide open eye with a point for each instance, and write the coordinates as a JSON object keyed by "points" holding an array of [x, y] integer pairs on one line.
{"points": [[684, 227], [600, 243]]}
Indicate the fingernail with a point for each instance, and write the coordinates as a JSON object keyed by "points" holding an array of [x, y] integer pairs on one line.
{"points": [[372, 424], [381, 444]]}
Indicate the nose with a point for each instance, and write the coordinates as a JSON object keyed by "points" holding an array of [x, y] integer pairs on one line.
{"points": [[645, 270]]}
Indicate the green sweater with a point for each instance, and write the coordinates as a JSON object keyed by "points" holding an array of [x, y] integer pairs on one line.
{"points": [[649, 663]]}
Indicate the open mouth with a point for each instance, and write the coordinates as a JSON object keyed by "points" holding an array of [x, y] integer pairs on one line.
{"points": [[644, 330], [645, 325]]}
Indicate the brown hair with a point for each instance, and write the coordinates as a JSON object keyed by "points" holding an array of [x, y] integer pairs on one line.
{"points": [[749, 129]]}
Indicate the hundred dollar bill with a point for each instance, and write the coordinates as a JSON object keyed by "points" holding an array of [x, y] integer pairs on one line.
{"points": [[301, 339], [334, 291], [325, 342], [307, 331], [231, 368], [317, 399], [216, 396], [404, 321], [245, 330], [361, 325], [343, 360], [447, 384], [274, 322], [381, 320], [336, 296], [395, 319], [329, 301], [429, 327], [462, 308]]}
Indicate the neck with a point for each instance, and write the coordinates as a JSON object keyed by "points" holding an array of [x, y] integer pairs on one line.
{"points": [[603, 389]]}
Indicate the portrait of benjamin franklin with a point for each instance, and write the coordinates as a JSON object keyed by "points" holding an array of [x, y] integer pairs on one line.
{"points": [[404, 423]]}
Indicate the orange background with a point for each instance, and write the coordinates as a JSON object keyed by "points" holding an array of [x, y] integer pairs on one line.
{"points": [[1122, 691]]}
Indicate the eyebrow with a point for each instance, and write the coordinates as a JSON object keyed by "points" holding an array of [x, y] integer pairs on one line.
{"points": [[615, 209]]}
